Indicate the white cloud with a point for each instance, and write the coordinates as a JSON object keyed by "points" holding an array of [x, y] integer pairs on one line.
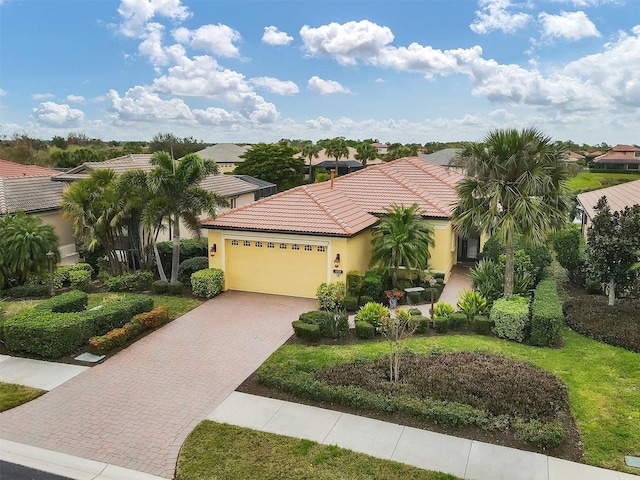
{"points": [[494, 15], [256, 109], [215, 116], [75, 98], [53, 114], [589, 3], [346, 42], [42, 96], [217, 39], [320, 123], [326, 87], [140, 104], [136, 13], [279, 87], [568, 25], [272, 36]]}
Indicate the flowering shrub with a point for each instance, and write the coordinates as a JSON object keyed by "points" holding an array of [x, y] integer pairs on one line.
{"points": [[395, 293]]}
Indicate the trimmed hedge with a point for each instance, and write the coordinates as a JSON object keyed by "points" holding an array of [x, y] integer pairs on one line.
{"points": [[322, 318], [26, 291], [482, 325], [189, 248], [77, 276], [365, 330], [45, 333], [441, 324], [423, 323], [160, 287], [129, 282], [175, 288], [457, 320], [546, 313], [207, 283], [73, 301], [191, 266], [306, 331], [115, 315], [351, 304], [511, 318]]}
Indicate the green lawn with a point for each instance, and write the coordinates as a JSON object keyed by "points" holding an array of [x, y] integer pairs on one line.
{"points": [[587, 181], [12, 395], [603, 382], [220, 451]]}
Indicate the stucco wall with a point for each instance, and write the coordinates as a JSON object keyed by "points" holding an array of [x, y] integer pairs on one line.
{"points": [[63, 229]]}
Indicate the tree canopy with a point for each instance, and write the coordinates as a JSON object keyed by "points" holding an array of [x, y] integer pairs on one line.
{"points": [[273, 163]]}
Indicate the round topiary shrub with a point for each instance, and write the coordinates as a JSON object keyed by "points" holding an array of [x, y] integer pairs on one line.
{"points": [[175, 288], [190, 266], [160, 287], [365, 330], [457, 320]]}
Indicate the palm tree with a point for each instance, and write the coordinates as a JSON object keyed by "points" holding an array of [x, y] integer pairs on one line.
{"points": [[402, 238], [337, 148], [24, 243], [180, 198], [310, 150], [366, 152], [516, 185]]}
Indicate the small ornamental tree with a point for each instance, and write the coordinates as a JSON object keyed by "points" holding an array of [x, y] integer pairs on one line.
{"points": [[568, 248], [612, 242], [397, 328]]}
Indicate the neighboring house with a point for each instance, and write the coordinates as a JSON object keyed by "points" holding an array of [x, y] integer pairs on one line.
{"points": [[292, 242], [620, 157], [236, 191], [226, 155], [573, 157], [448, 157], [619, 196], [382, 148], [29, 188], [346, 164], [265, 189]]}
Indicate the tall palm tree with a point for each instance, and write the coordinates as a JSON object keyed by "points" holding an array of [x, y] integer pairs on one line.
{"points": [[366, 152], [310, 150], [402, 238], [516, 185], [180, 196], [337, 148]]}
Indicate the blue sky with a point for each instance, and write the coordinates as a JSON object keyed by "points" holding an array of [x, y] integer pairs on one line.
{"points": [[262, 70]]}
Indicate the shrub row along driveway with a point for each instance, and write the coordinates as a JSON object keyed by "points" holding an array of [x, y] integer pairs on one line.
{"points": [[136, 409]]}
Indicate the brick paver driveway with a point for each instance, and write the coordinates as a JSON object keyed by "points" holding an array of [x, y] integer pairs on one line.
{"points": [[136, 409]]}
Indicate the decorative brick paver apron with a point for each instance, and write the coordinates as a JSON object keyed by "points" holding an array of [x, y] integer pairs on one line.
{"points": [[136, 409]]}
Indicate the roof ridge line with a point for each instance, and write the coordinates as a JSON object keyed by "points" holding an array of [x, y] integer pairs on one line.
{"points": [[334, 217], [420, 166]]}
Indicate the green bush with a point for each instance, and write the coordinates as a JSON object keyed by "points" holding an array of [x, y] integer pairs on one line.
{"points": [[415, 311], [26, 291], [45, 333], [73, 301], [542, 435], [364, 330], [428, 291], [546, 313], [364, 299], [189, 248], [372, 313], [175, 288], [114, 315], [190, 266], [330, 296], [82, 272], [442, 309], [441, 324], [472, 303], [160, 287], [482, 325], [457, 320], [414, 298], [80, 279], [207, 283], [306, 331], [372, 285], [511, 318], [354, 283], [423, 323], [129, 282], [322, 318], [351, 304]]}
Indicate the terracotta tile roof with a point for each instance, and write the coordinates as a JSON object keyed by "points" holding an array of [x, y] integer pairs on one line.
{"points": [[625, 148], [309, 209], [617, 157], [619, 196], [11, 169], [403, 182], [350, 205]]}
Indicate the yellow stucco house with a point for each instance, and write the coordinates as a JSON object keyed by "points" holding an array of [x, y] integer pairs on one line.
{"points": [[290, 243]]}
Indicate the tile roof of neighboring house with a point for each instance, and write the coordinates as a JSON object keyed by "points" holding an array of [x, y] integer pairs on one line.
{"points": [[28, 188], [347, 207], [625, 148], [619, 196], [309, 209], [224, 152], [380, 145], [442, 157], [617, 157], [12, 169], [574, 155], [225, 185]]}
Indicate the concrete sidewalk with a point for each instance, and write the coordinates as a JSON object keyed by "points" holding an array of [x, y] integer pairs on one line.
{"points": [[463, 458], [36, 373]]}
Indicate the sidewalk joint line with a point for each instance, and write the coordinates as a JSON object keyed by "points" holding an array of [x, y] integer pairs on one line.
{"points": [[404, 427], [466, 466], [323, 442]]}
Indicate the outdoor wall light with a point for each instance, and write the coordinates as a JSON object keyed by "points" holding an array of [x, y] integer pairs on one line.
{"points": [[213, 250], [336, 261]]}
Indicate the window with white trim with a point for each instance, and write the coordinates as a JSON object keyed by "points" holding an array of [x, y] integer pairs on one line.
{"points": [[295, 246], [283, 246], [321, 248], [246, 243], [258, 244], [234, 243], [271, 245], [308, 248], [233, 203]]}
